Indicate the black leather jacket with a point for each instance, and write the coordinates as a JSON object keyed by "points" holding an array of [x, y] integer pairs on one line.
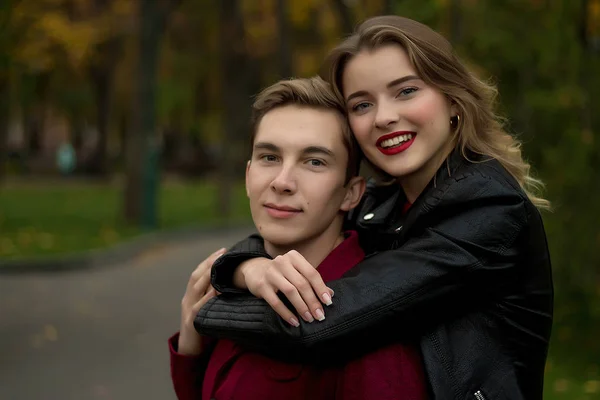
{"points": [[469, 276]]}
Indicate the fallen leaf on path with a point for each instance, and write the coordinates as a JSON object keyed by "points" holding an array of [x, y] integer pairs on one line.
{"points": [[50, 333]]}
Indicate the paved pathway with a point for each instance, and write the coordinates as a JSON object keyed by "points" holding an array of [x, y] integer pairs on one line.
{"points": [[97, 334]]}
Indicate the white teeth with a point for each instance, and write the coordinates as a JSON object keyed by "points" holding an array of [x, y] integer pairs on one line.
{"points": [[396, 140]]}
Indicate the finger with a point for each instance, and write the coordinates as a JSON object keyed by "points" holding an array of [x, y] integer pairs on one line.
{"points": [[314, 308], [202, 284], [312, 275], [279, 283], [211, 292], [206, 265], [280, 308], [200, 303]]}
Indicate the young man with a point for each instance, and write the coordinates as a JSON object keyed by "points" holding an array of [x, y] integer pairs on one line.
{"points": [[301, 181]]}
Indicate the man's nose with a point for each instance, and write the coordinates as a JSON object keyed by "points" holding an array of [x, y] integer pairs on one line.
{"points": [[285, 181]]}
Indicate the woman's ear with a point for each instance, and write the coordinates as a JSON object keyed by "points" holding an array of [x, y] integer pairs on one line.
{"points": [[355, 189]]}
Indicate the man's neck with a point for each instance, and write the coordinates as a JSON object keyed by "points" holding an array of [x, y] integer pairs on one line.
{"points": [[314, 249]]}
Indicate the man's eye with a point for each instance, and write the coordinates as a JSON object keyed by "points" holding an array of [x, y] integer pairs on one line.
{"points": [[316, 163], [269, 158]]}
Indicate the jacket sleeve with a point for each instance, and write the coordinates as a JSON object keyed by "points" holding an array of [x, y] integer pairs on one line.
{"points": [[253, 247], [466, 255], [223, 269], [187, 372]]}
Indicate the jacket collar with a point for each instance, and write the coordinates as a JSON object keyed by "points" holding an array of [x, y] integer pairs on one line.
{"points": [[391, 198]]}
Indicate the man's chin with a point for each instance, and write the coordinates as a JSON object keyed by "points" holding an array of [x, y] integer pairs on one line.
{"points": [[280, 237]]}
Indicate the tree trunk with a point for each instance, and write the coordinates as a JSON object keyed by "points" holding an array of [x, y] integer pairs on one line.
{"points": [[5, 43], [236, 76], [141, 180], [345, 16], [388, 7], [102, 80], [4, 121], [456, 31], [285, 50]]}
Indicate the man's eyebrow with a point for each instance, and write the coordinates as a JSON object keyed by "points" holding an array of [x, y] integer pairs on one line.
{"points": [[305, 151], [266, 146], [318, 150], [389, 86]]}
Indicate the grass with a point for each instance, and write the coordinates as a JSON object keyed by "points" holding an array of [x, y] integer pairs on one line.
{"points": [[573, 367], [43, 220], [567, 380]]}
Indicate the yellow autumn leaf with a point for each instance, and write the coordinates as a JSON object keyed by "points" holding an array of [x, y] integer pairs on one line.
{"points": [[591, 387], [300, 11], [561, 385], [6, 246], [46, 240]]}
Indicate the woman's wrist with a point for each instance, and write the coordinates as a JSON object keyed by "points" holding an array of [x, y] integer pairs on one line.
{"points": [[240, 273]]}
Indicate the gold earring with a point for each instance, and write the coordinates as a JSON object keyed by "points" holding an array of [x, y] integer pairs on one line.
{"points": [[454, 121]]}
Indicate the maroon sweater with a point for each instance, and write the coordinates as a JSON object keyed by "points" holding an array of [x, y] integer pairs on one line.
{"points": [[230, 372]]}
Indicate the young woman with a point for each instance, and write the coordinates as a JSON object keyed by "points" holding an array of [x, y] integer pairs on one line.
{"points": [[458, 252]]}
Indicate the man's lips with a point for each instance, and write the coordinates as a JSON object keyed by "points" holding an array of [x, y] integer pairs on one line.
{"points": [[281, 211]]}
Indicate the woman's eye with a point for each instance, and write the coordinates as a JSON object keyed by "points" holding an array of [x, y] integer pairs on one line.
{"points": [[407, 91], [360, 106]]}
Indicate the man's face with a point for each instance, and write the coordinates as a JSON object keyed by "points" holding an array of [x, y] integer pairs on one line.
{"points": [[295, 178]]}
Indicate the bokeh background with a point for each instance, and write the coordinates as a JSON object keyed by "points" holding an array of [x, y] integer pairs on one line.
{"points": [[123, 117]]}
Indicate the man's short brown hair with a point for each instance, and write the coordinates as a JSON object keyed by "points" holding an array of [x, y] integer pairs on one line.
{"points": [[309, 92]]}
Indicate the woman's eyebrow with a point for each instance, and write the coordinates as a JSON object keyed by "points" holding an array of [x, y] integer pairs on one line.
{"points": [[389, 85]]}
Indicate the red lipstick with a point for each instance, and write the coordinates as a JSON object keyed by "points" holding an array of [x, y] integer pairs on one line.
{"points": [[391, 150]]}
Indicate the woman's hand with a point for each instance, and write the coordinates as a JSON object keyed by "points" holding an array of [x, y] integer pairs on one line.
{"points": [[197, 293], [291, 275]]}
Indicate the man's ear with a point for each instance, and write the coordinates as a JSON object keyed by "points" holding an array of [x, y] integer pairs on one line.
{"points": [[355, 189], [247, 172]]}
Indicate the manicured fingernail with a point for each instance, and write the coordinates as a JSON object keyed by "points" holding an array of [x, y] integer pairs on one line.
{"points": [[320, 315], [294, 322], [308, 317], [326, 299]]}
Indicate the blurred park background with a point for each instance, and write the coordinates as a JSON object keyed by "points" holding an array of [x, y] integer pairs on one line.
{"points": [[120, 117]]}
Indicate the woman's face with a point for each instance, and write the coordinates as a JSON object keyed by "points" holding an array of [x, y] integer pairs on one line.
{"points": [[401, 123]]}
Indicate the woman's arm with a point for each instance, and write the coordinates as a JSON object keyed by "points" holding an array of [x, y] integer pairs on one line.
{"points": [[225, 273], [224, 269], [468, 253]]}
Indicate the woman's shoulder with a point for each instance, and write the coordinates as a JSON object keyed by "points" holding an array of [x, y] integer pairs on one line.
{"points": [[481, 177]]}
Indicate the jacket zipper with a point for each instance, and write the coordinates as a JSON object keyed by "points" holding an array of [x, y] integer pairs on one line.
{"points": [[479, 395], [437, 346]]}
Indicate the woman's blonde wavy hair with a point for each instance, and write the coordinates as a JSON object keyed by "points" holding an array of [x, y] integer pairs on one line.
{"points": [[480, 130]]}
